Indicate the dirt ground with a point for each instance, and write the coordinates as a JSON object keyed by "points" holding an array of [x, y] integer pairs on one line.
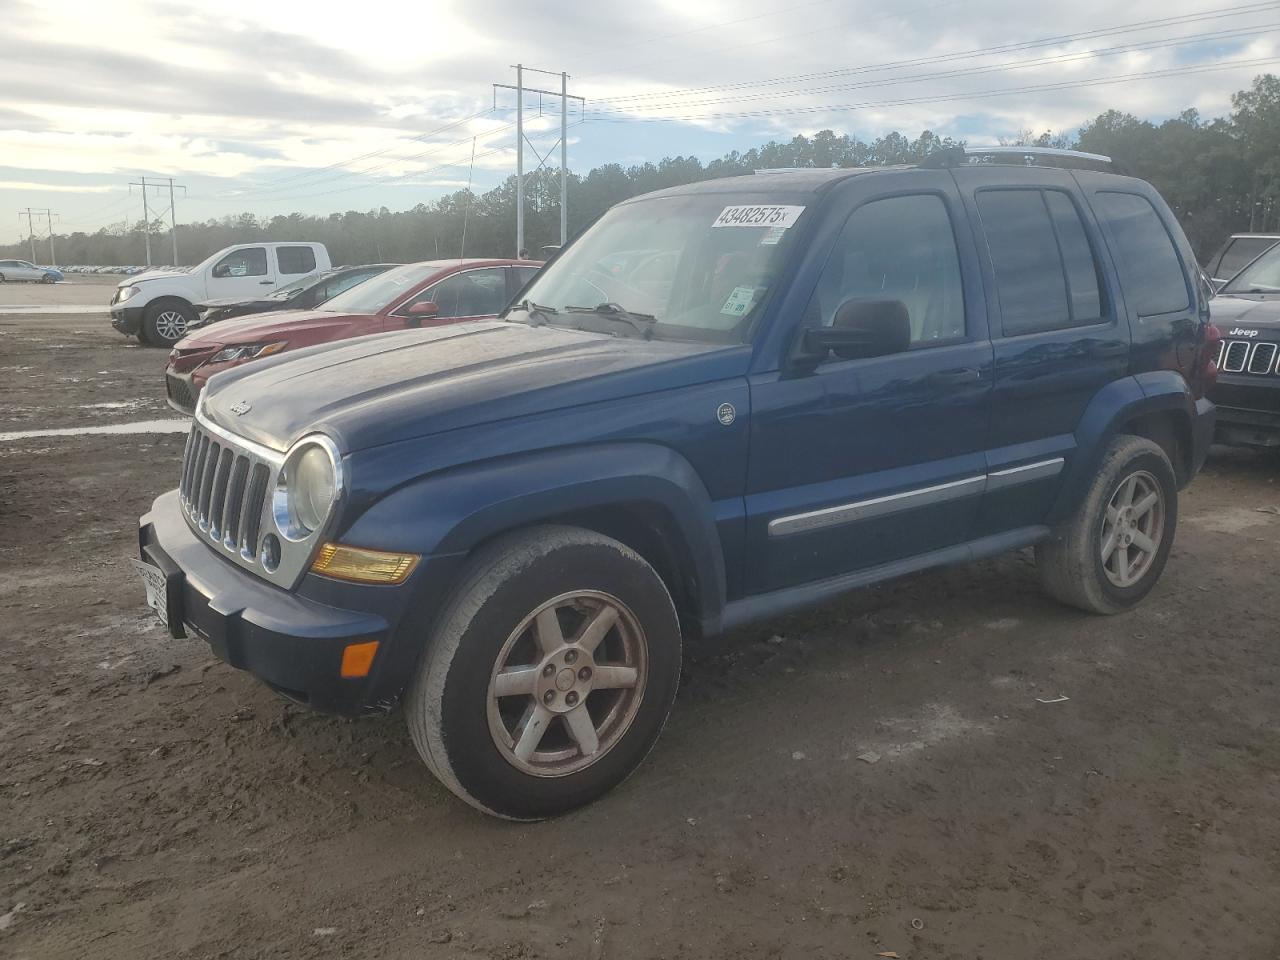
{"points": [[157, 803]]}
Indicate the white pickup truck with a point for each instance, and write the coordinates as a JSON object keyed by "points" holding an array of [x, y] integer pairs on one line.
{"points": [[157, 307]]}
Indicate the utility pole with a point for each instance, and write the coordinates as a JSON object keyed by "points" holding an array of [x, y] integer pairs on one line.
{"points": [[564, 157], [519, 158], [53, 256], [521, 140], [31, 233], [146, 216], [173, 219]]}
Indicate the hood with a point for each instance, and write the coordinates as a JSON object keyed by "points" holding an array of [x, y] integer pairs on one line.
{"points": [[151, 275], [1228, 311], [276, 325], [398, 386]]}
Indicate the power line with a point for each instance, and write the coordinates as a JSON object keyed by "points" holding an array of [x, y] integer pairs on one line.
{"points": [[1255, 31], [936, 98], [1012, 47]]}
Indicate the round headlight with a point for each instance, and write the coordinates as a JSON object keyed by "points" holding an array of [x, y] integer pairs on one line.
{"points": [[307, 488], [311, 489]]}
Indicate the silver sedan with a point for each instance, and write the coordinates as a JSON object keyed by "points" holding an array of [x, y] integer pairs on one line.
{"points": [[22, 270]]}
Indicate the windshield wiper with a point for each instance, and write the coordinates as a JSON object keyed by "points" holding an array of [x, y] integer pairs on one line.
{"points": [[642, 323], [535, 311]]}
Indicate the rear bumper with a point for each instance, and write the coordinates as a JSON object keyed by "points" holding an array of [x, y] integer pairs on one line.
{"points": [[128, 320], [293, 643]]}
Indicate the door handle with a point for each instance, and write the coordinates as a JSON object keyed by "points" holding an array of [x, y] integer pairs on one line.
{"points": [[265, 283], [955, 378]]}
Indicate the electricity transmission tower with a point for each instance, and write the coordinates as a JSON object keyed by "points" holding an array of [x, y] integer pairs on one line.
{"points": [[521, 140], [146, 213]]}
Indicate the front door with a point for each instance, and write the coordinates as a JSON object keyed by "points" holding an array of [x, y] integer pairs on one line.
{"points": [[243, 274], [863, 462], [470, 295]]}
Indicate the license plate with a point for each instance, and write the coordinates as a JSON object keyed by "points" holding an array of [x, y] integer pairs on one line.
{"points": [[157, 589]]}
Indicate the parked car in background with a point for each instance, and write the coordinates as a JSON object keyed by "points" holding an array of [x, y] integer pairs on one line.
{"points": [[1234, 255], [159, 305], [426, 294], [848, 375], [1247, 391], [302, 294], [13, 271]]}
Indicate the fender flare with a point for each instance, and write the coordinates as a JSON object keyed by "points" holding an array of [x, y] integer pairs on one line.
{"points": [[1118, 403], [448, 514]]}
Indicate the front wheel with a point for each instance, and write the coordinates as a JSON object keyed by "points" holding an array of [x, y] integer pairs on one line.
{"points": [[550, 675], [1112, 552], [1, 278], [165, 323], [47, 278]]}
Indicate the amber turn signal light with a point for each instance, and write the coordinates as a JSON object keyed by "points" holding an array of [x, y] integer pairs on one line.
{"points": [[363, 566], [357, 658]]}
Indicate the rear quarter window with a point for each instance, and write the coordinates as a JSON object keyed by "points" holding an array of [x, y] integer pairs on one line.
{"points": [[1150, 269]]}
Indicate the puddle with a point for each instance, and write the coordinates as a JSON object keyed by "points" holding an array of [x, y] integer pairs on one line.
{"points": [[143, 426]]}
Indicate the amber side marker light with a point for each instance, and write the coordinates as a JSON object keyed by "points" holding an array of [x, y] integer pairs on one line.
{"points": [[357, 658], [363, 566]]}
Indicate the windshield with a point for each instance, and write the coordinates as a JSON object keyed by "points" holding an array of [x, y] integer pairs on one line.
{"points": [[695, 267], [381, 291], [287, 291], [1261, 276]]}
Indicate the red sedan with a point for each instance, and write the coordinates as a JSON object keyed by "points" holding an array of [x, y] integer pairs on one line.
{"points": [[426, 294]]}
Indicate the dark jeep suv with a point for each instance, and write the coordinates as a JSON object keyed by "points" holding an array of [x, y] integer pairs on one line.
{"points": [[722, 402]]}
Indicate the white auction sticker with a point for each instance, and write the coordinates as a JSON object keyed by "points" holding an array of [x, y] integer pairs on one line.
{"points": [[757, 216]]}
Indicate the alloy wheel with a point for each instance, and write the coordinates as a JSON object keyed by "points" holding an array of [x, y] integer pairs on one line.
{"points": [[567, 684], [171, 325], [1132, 529]]}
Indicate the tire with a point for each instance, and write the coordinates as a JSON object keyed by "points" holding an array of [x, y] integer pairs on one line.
{"points": [[1, 278], [471, 739], [166, 322], [47, 278], [1072, 565]]}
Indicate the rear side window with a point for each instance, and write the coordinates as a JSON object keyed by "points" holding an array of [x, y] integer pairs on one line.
{"points": [[1148, 261], [1239, 254], [296, 259], [1046, 275], [899, 248]]}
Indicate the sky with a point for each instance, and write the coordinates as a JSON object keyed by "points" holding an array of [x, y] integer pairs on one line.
{"points": [[317, 107]]}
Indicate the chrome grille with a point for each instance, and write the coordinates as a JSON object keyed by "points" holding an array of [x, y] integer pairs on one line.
{"points": [[225, 489], [1236, 355], [1263, 356]]}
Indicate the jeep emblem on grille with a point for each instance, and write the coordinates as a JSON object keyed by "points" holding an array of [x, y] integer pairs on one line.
{"points": [[241, 407]]}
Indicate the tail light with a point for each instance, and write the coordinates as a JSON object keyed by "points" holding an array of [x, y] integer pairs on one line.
{"points": [[1208, 366]]}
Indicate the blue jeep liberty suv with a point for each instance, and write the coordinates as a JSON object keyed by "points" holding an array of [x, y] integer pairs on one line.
{"points": [[721, 402]]}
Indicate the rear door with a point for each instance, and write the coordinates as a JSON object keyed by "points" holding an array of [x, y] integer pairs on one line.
{"points": [[861, 462], [1058, 335], [293, 262], [243, 274]]}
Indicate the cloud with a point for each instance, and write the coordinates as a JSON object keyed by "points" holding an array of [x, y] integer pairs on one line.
{"points": [[30, 186]]}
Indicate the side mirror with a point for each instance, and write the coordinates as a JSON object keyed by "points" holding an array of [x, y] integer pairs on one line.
{"points": [[861, 329], [425, 308], [221, 270]]}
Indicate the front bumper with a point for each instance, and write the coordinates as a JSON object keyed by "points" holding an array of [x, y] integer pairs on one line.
{"points": [[292, 642], [128, 320], [182, 391], [1248, 409]]}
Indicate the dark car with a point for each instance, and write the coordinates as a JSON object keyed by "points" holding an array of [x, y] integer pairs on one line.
{"points": [[1234, 255], [1247, 392], [304, 294], [511, 526], [425, 294]]}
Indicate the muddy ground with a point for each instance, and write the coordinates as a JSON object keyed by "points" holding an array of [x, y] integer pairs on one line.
{"points": [[156, 803]]}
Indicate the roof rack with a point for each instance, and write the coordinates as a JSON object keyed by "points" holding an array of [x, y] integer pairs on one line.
{"points": [[1023, 156]]}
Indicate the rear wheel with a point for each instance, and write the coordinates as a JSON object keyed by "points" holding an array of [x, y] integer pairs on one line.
{"points": [[1, 278], [165, 323], [550, 675], [1112, 552]]}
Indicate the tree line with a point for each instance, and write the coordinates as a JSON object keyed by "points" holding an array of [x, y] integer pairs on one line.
{"points": [[1220, 176]]}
